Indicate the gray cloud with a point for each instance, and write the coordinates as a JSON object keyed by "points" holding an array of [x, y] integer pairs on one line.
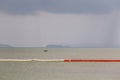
{"points": [[59, 6]]}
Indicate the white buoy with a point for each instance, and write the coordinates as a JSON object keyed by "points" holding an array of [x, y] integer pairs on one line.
{"points": [[29, 60]]}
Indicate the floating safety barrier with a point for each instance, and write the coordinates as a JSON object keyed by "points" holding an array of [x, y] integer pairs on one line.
{"points": [[59, 60]]}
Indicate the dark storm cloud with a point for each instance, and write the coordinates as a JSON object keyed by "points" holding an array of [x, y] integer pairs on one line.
{"points": [[59, 6]]}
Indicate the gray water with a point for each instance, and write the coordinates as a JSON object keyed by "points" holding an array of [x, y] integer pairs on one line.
{"points": [[59, 70]]}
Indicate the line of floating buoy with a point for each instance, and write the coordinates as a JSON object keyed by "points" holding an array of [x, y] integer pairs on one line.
{"points": [[59, 60], [90, 60], [29, 60]]}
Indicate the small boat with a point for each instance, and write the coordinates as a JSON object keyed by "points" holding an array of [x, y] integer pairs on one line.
{"points": [[45, 50]]}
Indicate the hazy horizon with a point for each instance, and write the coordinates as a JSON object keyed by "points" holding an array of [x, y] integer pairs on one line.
{"points": [[28, 23]]}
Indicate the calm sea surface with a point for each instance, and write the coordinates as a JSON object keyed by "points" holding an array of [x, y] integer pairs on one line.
{"points": [[59, 70]]}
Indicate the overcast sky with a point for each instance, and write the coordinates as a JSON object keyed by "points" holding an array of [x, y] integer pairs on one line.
{"points": [[37, 23]]}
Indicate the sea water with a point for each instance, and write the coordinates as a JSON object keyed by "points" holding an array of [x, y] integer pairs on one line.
{"points": [[59, 70]]}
